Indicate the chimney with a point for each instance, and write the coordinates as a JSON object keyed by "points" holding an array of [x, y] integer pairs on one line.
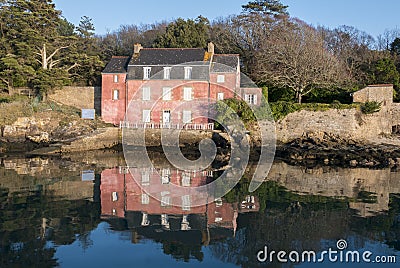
{"points": [[211, 48], [136, 48]]}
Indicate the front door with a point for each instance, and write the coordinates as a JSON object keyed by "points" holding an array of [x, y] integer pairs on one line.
{"points": [[167, 117]]}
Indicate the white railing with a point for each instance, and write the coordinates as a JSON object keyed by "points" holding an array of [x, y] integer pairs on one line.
{"points": [[125, 124]]}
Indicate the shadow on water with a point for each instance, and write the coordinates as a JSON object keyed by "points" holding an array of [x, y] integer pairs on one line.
{"points": [[49, 205]]}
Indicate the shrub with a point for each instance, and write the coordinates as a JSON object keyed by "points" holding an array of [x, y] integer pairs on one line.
{"points": [[371, 107]]}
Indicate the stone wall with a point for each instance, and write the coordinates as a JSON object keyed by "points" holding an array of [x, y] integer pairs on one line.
{"points": [[346, 124], [395, 114], [79, 97]]}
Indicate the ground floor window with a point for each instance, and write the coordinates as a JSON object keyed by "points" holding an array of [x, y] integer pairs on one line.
{"points": [[187, 117], [116, 94], [146, 116]]}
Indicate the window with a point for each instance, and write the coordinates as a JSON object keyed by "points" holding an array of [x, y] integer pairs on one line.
{"points": [[167, 73], [186, 180], [116, 94], [146, 116], [145, 178], [167, 93], [187, 93], [115, 78], [186, 203], [146, 93], [165, 199], [146, 73], [250, 98], [188, 73], [114, 196], [220, 96], [145, 199], [165, 176], [187, 117], [221, 79]]}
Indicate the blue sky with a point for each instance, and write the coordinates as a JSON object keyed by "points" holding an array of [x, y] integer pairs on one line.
{"points": [[368, 15]]}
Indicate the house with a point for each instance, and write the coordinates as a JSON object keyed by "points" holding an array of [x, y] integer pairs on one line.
{"points": [[170, 87]]}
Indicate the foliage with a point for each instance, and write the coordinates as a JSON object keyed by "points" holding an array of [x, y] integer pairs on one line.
{"points": [[185, 34], [266, 7], [371, 107], [40, 49]]}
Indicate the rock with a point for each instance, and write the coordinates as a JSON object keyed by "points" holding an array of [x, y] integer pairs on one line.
{"points": [[42, 138], [326, 161], [391, 162], [353, 163]]}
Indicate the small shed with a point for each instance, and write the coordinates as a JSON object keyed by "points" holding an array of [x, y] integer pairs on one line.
{"points": [[379, 93]]}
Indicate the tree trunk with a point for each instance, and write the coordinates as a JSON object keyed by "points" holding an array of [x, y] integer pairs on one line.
{"points": [[299, 96]]}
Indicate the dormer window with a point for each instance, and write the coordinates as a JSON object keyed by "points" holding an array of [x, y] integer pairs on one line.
{"points": [[188, 73], [167, 73], [146, 73]]}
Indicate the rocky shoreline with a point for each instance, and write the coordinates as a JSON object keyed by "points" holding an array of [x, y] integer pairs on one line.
{"points": [[305, 151]]}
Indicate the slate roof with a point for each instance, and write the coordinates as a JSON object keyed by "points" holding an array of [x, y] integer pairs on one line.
{"points": [[167, 56], [117, 64], [225, 63]]}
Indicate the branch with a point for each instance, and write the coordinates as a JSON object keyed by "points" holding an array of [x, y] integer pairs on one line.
{"points": [[73, 66], [55, 52], [53, 63]]}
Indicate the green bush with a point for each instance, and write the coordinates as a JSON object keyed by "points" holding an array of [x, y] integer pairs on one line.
{"points": [[371, 107]]}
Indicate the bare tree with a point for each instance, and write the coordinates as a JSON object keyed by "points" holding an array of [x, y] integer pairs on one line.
{"points": [[296, 58]]}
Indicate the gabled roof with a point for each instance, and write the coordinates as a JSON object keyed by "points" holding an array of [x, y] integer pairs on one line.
{"points": [[225, 63], [117, 64], [167, 56]]}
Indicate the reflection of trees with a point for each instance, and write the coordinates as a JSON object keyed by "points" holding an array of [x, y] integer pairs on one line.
{"points": [[183, 252], [29, 219], [297, 222]]}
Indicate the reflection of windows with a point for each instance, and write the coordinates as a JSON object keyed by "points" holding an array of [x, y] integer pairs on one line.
{"points": [[167, 73], [115, 78], [167, 93], [187, 117], [116, 94], [165, 176], [187, 93], [146, 93], [145, 199], [221, 79], [186, 180], [220, 96], [146, 73], [186, 203], [114, 196], [218, 219], [250, 98], [188, 73], [146, 116], [145, 178]]}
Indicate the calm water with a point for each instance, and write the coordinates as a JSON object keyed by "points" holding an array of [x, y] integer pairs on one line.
{"points": [[87, 211]]}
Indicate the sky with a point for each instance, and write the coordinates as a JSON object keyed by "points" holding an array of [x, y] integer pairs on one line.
{"points": [[371, 16]]}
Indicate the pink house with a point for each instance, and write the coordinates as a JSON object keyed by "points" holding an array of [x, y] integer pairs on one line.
{"points": [[173, 86]]}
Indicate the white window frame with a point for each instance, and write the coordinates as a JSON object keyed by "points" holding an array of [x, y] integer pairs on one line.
{"points": [[187, 93], [188, 73], [251, 99], [146, 93], [167, 93], [220, 96], [146, 118], [116, 78], [186, 180], [167, 73], [186, 203], [165, 176], [146, 73], [145, 199], [220, 78], [115, 95], [187, 117], [145, 178]]}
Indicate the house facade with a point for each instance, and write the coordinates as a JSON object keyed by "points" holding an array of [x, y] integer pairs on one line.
{"points": [[158, 87]]}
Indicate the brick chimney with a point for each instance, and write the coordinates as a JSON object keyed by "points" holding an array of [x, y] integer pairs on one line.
{"points": [[211, 48], [136, 48]]}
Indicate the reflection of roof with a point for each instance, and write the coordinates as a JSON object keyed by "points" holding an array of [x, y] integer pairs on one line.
{"points": [[225, 63], [167, 56], [117, 64]]}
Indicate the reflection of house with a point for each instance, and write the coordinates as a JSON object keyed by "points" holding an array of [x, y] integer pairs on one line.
{"points": [[123, 197], [179, 81]]}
